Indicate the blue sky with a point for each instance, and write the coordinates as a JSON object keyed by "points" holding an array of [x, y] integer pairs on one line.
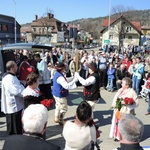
{"points": [[65, 10]]}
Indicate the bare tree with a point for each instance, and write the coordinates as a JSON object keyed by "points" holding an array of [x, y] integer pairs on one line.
{"points": [[119, 10], [47, 10]]}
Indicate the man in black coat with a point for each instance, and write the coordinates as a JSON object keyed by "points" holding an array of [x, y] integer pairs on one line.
{"points": [[120, 74], [34, 124]]}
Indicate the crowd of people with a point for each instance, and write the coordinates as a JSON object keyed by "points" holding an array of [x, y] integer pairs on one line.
{"points": [[50, 75]]}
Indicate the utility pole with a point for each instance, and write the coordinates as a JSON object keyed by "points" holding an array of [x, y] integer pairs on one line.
{"points": [[109, 19], [15, 22]]}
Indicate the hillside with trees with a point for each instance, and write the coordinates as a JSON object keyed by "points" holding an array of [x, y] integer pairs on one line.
{"points": [[94, 25]]}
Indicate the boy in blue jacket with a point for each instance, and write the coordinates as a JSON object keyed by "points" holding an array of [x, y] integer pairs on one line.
{"points": [[111, 77]]}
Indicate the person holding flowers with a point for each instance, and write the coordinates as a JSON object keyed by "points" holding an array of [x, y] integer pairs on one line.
{"points": [[125, 101]]}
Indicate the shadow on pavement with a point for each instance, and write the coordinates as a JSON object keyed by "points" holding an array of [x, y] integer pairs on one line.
{"points": [[75, 98], [146, 133], [104, 117], [54, 135], [52, 131], [101, 101], [3, 135], [2, 124]]}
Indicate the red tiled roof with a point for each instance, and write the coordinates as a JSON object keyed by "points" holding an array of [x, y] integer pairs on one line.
{"points": [[136, 24], [106, 22]]}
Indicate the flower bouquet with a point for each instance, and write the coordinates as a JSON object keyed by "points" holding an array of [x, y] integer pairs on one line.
{"points": [[122, 102], [119, 103], [47, 102], [126, 101]]}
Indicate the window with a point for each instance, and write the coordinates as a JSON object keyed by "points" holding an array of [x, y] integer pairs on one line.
{"points": [[130, 28], [112, 27], [39, 30], [42, 30], [129, 37], [127, 29], [34, 29], [110, 36], [4, 27]]}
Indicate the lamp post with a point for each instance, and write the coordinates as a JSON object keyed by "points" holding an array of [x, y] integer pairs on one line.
{"points": [[73, 40], [109, 19], [15, 21]]}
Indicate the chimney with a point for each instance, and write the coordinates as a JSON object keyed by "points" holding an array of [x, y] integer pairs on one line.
{"points": [[49, 15], [36, 17], [52, 15]]}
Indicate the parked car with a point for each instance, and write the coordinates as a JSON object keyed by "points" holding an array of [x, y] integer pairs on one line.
{"points": [[86, 46], [7, 54], [80, 46], [147, 49], [91, 45], [99, 45]]}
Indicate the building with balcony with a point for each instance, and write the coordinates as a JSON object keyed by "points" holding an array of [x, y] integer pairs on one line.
{"points": [[7, 30]]}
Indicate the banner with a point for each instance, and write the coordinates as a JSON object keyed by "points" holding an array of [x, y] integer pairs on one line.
{"points": [[60, 37]]}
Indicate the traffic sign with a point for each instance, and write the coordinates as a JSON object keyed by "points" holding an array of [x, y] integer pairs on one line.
{"points": [[107, 41]]}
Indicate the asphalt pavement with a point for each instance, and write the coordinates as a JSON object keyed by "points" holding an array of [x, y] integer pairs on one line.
{"points": [[102, 115]]}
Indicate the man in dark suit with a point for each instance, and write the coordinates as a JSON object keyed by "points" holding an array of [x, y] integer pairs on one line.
{"points": [[34, 124]]}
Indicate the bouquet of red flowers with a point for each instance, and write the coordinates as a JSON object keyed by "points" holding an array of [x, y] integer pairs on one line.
{"points": [[148, 83], [47, 102], [127, 101], [119, 104]]}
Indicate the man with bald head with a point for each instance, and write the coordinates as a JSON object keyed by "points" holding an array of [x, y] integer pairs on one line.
{"points": [[12, 101]]}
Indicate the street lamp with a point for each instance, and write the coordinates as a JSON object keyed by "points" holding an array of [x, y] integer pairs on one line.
{"points": [[15, 21], [109, 19]]}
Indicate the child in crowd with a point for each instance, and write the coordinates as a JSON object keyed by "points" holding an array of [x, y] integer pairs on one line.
{"points": [[111, 77]]}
